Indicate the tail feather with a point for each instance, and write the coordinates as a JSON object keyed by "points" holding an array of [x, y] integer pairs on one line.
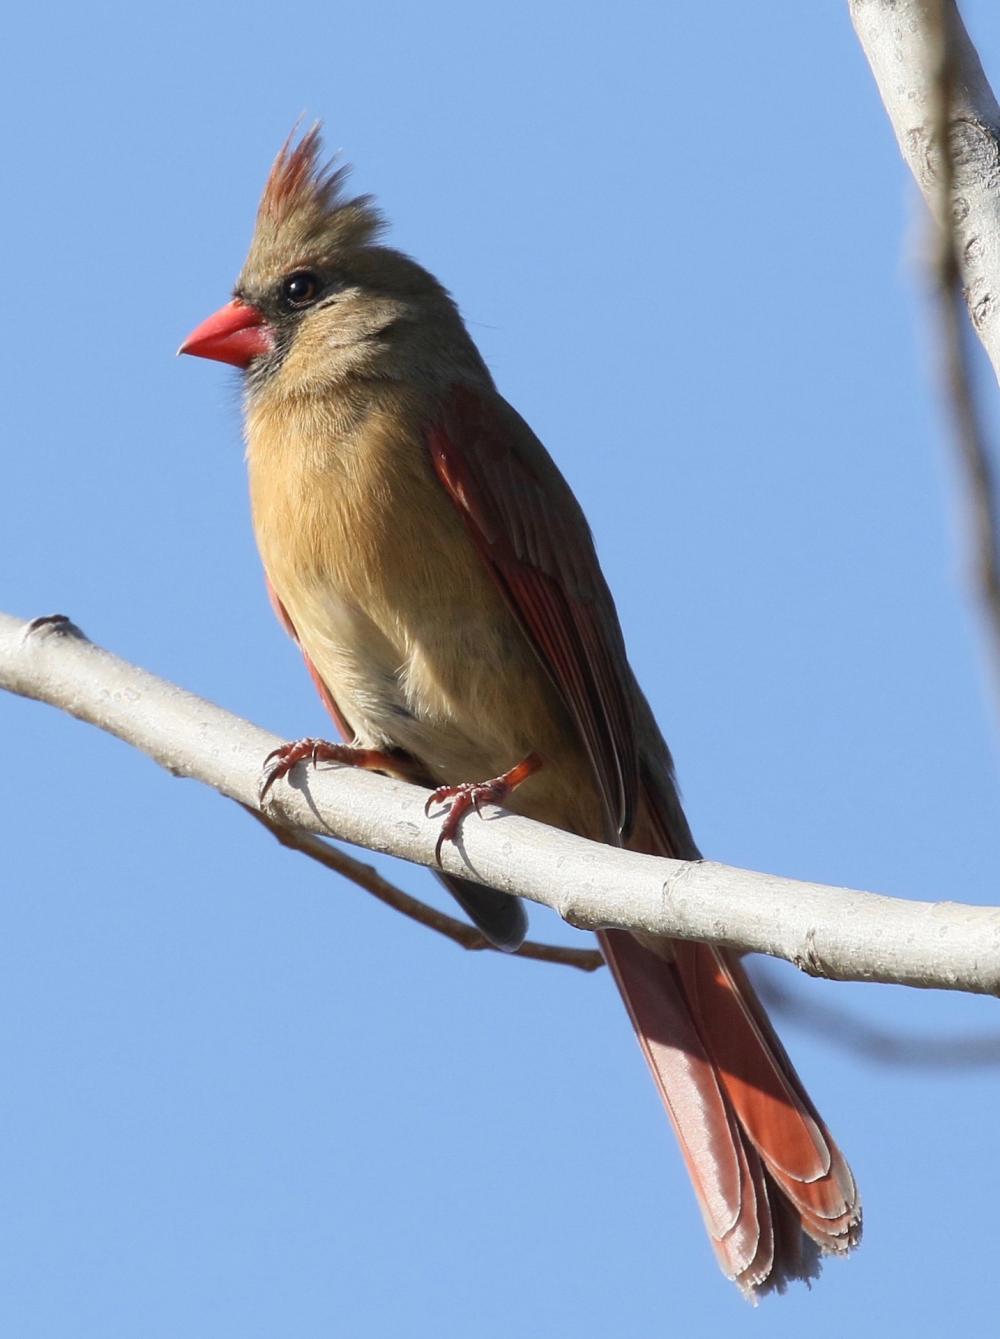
{"points": [[827, 1198], [774, 1190], [685, 1075], [756, 1082], [769, 1099], [725, 1169], [771, 1183]]}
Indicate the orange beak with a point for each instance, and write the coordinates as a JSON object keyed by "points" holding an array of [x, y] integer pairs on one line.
{"points": [[237, 333]]}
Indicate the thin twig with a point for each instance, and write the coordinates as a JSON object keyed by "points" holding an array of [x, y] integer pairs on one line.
{"points": [[368, 878]]}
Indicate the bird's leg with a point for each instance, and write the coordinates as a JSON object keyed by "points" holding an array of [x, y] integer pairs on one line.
{"points": [[474, 794], [281, 760]]}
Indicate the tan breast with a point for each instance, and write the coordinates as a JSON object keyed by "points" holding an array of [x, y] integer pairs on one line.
{"points": [[390, 600]]}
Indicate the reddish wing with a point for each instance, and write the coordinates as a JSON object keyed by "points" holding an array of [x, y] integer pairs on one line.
{"points": [[529, 529]]}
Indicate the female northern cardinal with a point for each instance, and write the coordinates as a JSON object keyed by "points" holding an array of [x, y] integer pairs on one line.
{"points": [[430, 560]]}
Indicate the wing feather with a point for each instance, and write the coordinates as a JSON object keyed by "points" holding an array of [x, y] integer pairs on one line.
{"points": [[531, 533]]}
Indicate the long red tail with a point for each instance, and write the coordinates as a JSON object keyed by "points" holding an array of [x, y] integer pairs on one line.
{"points": [[774, 1190]]}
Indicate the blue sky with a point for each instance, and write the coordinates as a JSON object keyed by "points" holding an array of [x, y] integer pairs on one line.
{"points": [[239, 1098]]}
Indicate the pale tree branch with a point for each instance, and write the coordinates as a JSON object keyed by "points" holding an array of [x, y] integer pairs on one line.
{"points": [[947, 123], [832, 932]]}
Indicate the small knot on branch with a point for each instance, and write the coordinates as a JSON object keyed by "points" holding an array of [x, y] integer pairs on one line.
{"points": [[53, 625], [809, 960]]}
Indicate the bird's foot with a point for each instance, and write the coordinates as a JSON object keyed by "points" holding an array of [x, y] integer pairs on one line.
{"points": [[280, 761], [473, 795]]}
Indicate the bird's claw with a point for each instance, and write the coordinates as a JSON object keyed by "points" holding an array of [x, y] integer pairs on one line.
{"points": [[473, 795], [280, 761]]}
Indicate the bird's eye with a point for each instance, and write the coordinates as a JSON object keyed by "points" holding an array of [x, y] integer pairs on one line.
{"points": [[299, 289]]}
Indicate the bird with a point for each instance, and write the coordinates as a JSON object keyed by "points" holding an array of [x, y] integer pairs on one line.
{"points": [[425, 552]]}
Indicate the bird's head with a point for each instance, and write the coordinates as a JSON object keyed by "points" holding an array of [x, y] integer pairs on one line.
{"points": [[319, 301]]}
